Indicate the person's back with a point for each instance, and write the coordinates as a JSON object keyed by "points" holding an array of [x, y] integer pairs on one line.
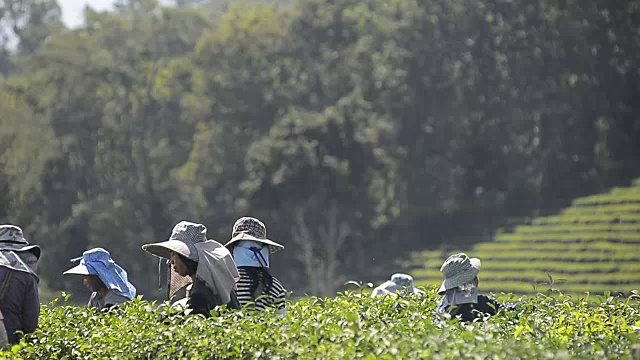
{"points": [[19, 298], [258, 287], [108, 282], [202, 299], [459, 291], [399, 283], [207, 263], [251, 250], [468, 312], [20, 305], [108, 301]]}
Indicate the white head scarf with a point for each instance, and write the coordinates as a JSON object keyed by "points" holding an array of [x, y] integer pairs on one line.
{"points": [[216, 268]]}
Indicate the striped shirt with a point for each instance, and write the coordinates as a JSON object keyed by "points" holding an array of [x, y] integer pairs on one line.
{"points": [[275, 296]]}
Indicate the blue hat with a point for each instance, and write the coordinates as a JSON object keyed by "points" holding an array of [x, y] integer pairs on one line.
{"points": [[98, 262]]}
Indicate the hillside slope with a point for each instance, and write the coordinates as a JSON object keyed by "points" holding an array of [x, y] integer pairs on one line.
{"points": [[593, 246]]}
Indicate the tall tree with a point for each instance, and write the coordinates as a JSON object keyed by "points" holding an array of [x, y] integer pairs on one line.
{"points": [[31, 22]]}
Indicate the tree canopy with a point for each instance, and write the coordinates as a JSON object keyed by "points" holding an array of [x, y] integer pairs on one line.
{"points": [[358, 131]]}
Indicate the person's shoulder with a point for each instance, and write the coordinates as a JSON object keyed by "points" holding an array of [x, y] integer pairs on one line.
{"points": [[18, 276], [488, 303], [93, 300], [277, 284], [486, 299], [112, 299], [200, 288], [277, 281], [380, 291]]}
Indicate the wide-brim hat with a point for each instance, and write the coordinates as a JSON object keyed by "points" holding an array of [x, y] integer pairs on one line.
{"points": [[80, 269], [392, 287], [182, 241], [251, 229], [458, 270], [12, 239], [98, 262]]}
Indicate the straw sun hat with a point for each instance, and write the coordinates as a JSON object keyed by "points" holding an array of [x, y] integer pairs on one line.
{"points": [[458, 270]]}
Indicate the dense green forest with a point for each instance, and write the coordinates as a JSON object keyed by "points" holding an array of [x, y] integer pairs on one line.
{"points": [[359, 131]]}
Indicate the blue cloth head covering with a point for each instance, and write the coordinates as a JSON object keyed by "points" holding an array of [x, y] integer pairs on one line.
{"points": [[98, 262], [251, 253]]}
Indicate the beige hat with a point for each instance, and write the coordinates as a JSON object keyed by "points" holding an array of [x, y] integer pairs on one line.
{"points": [[12, 238], [252, 229], [458, 270], [182, 240]]}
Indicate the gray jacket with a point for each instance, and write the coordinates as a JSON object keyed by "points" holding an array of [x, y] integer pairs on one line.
{"points": [[21, 303]]}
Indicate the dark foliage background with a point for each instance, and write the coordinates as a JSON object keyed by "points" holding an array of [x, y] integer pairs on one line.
{"points": [[358, 130]]}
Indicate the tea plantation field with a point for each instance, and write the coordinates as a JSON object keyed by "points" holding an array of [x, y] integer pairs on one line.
{"points": [[592, 246], [349, 326]]}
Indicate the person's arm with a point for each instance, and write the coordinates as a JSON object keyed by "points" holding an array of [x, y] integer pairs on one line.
{"points": [[113, 300], [488, 305], [31, 306], [380, 291], [198, 304], [233, 303], [201, 299], [93, 302], [280, 302]]}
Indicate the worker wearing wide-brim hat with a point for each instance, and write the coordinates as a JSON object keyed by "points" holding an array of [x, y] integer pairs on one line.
{"points": [[20, 305], [459, 290], [108, 282], [398, 284], [207, 262], [251, 249]]}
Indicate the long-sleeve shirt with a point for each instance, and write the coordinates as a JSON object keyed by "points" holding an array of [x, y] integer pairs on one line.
{"points": [[21, 304], [275, 296], [109, 300], [202, 299], [470, 311]]}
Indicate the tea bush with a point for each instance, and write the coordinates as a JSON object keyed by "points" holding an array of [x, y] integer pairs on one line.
{"points": [[349, 326]]}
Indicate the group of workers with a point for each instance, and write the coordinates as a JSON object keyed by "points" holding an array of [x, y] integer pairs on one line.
{"points": [[235, 274], [459, 290]]}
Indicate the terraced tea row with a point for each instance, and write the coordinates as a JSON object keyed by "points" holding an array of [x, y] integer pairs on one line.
{"points": [[588, 219], [614, 237], [593, 246], [566, 228], [560, 256], [605, 246], [570, 284], [578, 289], [633, 207], [619, 195], [606, 199], [535, 269]]}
